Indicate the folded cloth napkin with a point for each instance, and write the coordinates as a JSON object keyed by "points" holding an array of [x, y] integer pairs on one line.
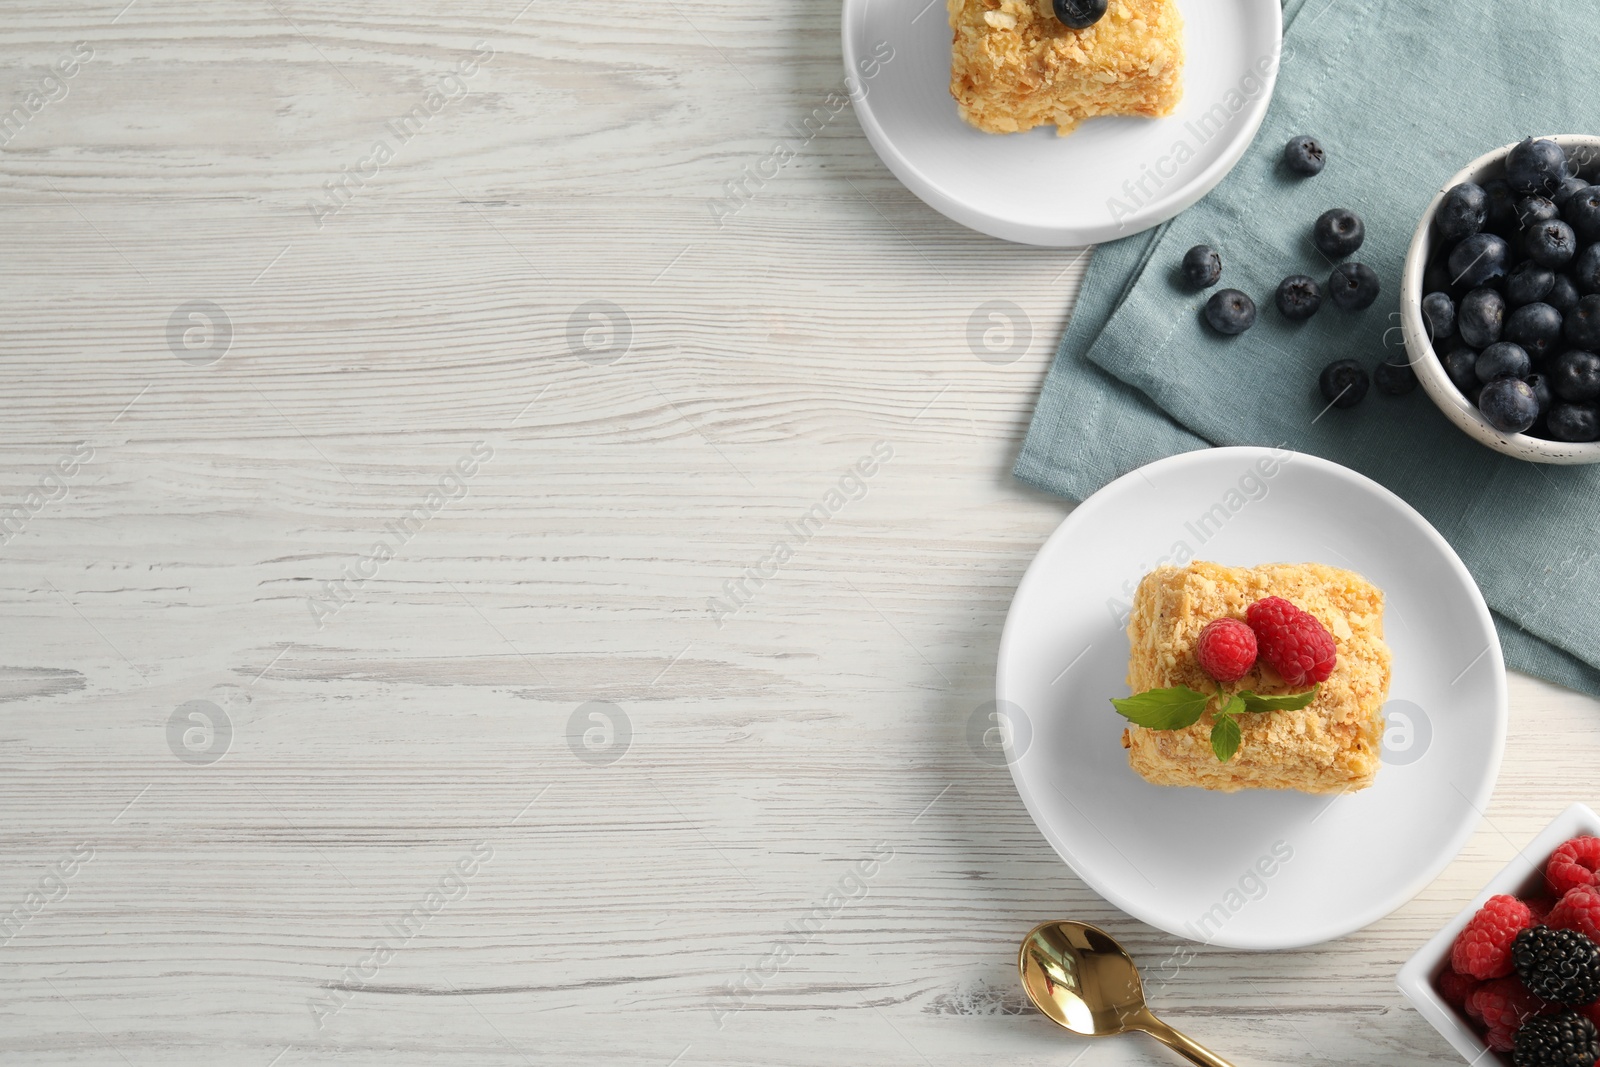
{"points": [[1402, 93]]}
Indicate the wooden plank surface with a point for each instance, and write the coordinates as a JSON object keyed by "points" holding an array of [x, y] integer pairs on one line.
{"points": [[574, 402]]}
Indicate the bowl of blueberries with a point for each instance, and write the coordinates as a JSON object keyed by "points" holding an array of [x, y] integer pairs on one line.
{"points": [[1500, 299]]}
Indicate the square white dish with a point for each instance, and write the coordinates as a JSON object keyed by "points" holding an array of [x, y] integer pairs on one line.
{"points": [[1524, 875]]}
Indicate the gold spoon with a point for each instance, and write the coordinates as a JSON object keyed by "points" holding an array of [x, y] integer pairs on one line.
{"points": [[1083, 980]]}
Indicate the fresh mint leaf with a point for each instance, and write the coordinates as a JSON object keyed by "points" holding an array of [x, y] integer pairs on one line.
{"points": [[1289, 702], [1226, 737], [1163, 709], [1234, 706]]}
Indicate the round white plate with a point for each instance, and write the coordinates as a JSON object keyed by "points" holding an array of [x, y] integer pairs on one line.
{"points": [[1110, 178], [1255, 869]]}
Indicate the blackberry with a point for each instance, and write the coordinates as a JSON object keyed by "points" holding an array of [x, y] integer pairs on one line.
{"points": [[1559, 965], [1567, 1040]]}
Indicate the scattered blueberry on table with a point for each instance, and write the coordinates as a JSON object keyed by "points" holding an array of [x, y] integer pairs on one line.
{"points": [[1231, 312], [1394, 375], [1353, 286], [1338, 232], [1304, 155], [1343, 383], [1202, 266], [1298, 297]]}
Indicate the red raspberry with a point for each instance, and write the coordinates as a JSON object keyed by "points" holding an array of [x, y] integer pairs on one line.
{"points": [[1540, 906], [1505, 1004], [1226, 649], [1293, 642], [1484, 948], [1456, 988], [1579, 910], [1592, 1011], [1573, 864], [1500, 1038]]}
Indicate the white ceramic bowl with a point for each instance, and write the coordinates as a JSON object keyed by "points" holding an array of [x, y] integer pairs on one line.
{"points": [[1420, 350], [1522, 876]]}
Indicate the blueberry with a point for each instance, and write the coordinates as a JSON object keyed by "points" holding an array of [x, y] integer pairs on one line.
{"points": [[1230, 311], [1436, 276], [1439, 316], [1537, 328], [1540, 384], [1535, 168], [1550, 244], [1394, 376], [1299, 297], [1304, 156], [1536, 209], [1508, 404], [1563, 294], [1338, 232], [1481, 317], [1586, 269], [1462, 212], [1353, 286], [1575, 375], [1343, 383], [1202, 266], [1479, 260], [1080, 14], [1503, 360], [1502, 216], [1582, 212], [1565, 190], [1461, 364], [1581, 325], [1528, 282], [1574, 422]]}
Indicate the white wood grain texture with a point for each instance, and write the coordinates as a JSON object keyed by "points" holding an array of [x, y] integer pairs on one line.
{"points": [[768, 754]]}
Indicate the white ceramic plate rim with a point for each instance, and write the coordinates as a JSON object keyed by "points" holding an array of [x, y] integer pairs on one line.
{"points": [[1313, 932], [1416, 977], [1022, 231]]}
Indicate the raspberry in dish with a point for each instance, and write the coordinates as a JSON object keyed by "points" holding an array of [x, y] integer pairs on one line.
{"points": [[1579, 910], [1015, 65], [1333, 745], [1483, 950], [1575, 863], [1505, 1004], [1457, 989]]}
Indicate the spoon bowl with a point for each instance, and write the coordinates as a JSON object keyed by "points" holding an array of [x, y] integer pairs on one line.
{"points": [[1079, 977]]}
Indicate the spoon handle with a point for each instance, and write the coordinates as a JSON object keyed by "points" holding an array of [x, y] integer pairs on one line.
{"points": [[1180, 1043]]}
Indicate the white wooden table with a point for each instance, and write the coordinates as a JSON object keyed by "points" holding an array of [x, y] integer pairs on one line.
{"points": [[333, 511]]}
